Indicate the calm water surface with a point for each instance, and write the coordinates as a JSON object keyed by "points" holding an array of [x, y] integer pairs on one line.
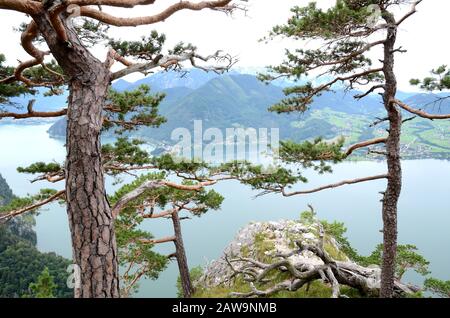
{"points": [[424, 211]]}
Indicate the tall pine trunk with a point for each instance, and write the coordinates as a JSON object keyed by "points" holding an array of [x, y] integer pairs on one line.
{"points": [[90, 218], [394, 186], [183, 267]]}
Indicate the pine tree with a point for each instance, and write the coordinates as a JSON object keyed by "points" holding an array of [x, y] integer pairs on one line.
{"points": [[150, 196], [44, 287], [340, 39], [69, 29], [438, 287]]}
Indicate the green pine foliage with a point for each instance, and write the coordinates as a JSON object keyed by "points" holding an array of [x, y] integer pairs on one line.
{"points": [[44, 287], [293, 159], [146, 49], [8, 90], [131, 110], [138, 258], [136, 255], [313, 22], [438, 81], [335, 25], [124, 152], [408, 257], [21, 202], [312, 154], [40, 167], [438, 287]]}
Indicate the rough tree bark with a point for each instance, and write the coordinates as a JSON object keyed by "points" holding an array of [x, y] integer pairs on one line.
{"points": [[185, 277], [394, 186], [90, 218]]}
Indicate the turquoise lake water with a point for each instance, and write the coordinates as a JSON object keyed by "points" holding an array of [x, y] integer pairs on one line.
{"points": [[424, 210]]}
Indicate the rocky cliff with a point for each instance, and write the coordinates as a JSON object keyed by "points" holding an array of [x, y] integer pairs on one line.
{"points": [[6, 194], [288, 258]]}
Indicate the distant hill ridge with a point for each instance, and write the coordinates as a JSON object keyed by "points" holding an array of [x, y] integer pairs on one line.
{"points": [[241, 100], [228, 101]]}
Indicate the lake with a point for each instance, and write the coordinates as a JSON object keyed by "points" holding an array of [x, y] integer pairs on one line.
{"points": [[424, 210]]}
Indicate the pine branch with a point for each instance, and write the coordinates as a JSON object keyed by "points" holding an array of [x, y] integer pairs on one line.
{"points": [[364, 144], [24, 6], [171, 60], [32, 207], [146, 20], [336, 185], [419, 112], [409, 14], [33, 114], [152, 185], [158, 241]]}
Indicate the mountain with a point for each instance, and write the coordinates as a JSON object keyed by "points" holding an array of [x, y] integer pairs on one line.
{"points": [[404, 95], [343, 101], [241, 100], [193, 79], [228, 101], [432, 103], [6, 194], [121, 85], [58, 129]]}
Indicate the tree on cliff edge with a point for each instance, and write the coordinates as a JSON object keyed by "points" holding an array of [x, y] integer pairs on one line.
{"points": [[340, 39], [68, 28]]}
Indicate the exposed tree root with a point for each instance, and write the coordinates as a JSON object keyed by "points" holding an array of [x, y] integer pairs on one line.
{"points": [[335, 273]]}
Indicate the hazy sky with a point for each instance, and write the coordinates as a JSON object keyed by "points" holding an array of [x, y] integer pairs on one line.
{"points": [[425, 35]]}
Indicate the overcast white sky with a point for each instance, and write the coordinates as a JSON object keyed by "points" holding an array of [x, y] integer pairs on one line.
{"points": [[425, 35]]}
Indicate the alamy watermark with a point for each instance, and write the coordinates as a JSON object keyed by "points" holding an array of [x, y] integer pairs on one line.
{"points": [[216, 146], [74, 279], [374, 14]]}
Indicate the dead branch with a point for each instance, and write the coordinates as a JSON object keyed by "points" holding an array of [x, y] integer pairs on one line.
{"points": [[112, 3], [336, 185], [364, 144], [158, 241], [33, 114], [114, 56], [368, 92], [419, 112], [24, 6], [10, 215], [378, 121], [146, 20], [410, 13], [171, 60], [160, 214], [51, 177]]}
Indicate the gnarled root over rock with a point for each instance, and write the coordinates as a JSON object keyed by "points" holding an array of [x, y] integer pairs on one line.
{"points": [[335, 273]]}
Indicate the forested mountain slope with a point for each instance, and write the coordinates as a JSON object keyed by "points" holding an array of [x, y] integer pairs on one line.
{"points": [[20, 260]]}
